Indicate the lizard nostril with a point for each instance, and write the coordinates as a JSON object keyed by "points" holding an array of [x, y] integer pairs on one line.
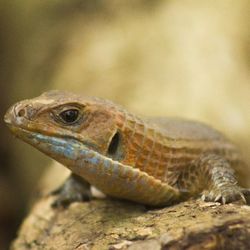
{"points": [[21, 113]]}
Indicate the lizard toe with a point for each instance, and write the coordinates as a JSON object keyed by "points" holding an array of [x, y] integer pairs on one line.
{"points": [[65, 199], [207, 196], [72, 190], [227, 195], [233, 194]]}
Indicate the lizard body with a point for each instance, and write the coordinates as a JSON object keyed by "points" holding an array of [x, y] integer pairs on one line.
{"points": [[155, 161]]}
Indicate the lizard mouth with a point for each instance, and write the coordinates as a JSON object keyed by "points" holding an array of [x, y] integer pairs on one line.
{"points": [[62, 149], [35, 138]]}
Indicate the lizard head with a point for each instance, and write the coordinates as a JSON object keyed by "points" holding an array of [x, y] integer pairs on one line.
{"points": [[65, 119]]}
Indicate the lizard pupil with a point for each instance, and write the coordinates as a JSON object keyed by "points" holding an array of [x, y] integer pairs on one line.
{"points": [[69, 116]]}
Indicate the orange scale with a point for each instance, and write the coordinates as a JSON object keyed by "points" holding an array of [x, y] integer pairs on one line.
{"points": [[138, 138]]}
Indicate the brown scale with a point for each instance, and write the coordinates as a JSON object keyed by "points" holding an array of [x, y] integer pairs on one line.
{"points": [[155, 161], [144, 152], [128, 126], [172, 161], [128, 140], [162, 159], [150, 155], [134, 139], [141, 149]]}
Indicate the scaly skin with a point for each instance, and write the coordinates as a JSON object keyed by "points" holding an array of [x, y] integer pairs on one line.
{"points": [[150, 161]]}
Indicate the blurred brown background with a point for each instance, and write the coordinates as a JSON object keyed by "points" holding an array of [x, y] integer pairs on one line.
{"points": [[180, 58]]}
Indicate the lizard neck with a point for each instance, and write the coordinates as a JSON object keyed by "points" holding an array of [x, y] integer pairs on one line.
{"points": [[147, 148]]}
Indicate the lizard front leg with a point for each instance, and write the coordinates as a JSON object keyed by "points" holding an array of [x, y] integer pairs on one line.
{"points": [[213, 176], [73, 189]]}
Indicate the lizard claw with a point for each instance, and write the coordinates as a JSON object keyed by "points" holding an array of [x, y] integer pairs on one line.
{"points": [[218, 198], [203, 197], [224, 200], [227, 194], [246, 195]]}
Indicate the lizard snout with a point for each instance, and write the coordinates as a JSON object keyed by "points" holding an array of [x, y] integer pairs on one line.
{"points": [[9, 116], [18, 113]]}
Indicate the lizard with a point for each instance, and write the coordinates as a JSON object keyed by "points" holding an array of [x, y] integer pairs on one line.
{"points": [[152, 161]]}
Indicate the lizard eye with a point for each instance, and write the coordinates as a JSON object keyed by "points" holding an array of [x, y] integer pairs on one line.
{"points": [[69, 116]]}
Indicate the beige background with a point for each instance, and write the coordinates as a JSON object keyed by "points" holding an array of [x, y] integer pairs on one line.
{"points": [[180, 58]]}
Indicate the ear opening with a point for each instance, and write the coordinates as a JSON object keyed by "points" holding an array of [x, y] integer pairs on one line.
{"points": [[114, 144]]}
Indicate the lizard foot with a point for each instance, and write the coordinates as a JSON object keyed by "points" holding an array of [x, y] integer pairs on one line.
{"points": [[74, 189], [227, 195]]}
